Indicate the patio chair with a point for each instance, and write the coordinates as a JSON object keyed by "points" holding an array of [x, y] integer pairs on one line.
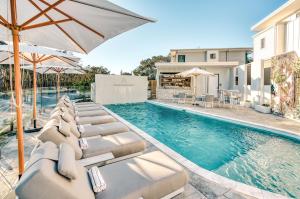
{"points": [[235, 98], [53, 172], [199, 100], [88, 150], [209, 101], [189, 99], [181, 98]]}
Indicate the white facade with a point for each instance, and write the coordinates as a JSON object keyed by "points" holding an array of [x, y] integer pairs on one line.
{"points": [[226, 64], [277, 34], [119, 89]]}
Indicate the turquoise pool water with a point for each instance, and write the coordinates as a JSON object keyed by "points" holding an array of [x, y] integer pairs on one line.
{"points": [[255, 157]]}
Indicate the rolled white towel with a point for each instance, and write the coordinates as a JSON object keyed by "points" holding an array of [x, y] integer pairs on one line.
{"points": [[97, 180], [83, 143]]}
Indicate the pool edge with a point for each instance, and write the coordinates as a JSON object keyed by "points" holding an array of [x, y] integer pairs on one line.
{"points": [[231, 185], [275, 130]]}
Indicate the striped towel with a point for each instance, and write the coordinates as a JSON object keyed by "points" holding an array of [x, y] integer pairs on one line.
{"points": [[83, 144], [97, 180]]}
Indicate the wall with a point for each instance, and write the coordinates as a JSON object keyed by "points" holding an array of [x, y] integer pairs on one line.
{"points": [[269, 50], [116, 89], [193, 56]]}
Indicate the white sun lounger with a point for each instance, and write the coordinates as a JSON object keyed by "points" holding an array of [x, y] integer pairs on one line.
{"points": [[117, 146], [52, 172]]}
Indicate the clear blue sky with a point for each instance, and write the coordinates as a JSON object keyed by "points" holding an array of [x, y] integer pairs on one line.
{"points": [[181, 24]]}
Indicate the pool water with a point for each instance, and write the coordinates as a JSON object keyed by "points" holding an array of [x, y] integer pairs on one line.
{"points": [[252, 156]]}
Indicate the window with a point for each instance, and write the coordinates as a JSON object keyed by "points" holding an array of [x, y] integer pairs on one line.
{"points": [[181, 58], [249, 75], [262, 43], [213, 56], [236, 78], [170, 80], [267, 76]]}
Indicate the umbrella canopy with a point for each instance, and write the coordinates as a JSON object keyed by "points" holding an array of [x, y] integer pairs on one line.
{"points": [[52, 69], [73, 25], [37, 55], [58, 70], [194, 72]]}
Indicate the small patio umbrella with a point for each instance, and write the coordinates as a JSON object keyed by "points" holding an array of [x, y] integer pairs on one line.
{"points": [[58, 70], [36, 55], [195, 72], [73, 25]]}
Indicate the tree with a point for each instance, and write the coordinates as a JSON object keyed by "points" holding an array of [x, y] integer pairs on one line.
{"points": [[147, 67], [86, 79]]}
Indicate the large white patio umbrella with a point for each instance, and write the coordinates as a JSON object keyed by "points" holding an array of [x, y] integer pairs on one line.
{"points": [[194, 72], [73, 25], [36, 55]]}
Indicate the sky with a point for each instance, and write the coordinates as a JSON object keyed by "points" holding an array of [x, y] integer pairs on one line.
{"points": [[180, 24]]}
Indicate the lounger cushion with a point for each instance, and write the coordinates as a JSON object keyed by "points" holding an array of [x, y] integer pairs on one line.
{"points": [[88, 108], [67, 117], [50, 133], [96, 120], [64, 128], [66, 161], [91, 113], [120, 144], [42, 180], [152, 175], [103, 129]]}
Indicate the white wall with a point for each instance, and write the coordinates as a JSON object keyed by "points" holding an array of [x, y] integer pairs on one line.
{"points": [[269, 50], [117, 89]]}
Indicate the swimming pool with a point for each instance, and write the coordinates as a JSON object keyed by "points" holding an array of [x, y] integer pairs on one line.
{"points": [[252, 156]]}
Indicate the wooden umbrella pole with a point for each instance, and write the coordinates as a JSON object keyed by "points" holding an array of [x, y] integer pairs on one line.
{"points": [[58, 86], [18, 87], [34, 90]]}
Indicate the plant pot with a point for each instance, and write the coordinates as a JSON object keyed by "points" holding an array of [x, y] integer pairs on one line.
{"points": [[263, 109]]}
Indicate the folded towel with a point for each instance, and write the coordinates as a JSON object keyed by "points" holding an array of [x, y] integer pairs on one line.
{"points": [[83, 143], [97, 180]]}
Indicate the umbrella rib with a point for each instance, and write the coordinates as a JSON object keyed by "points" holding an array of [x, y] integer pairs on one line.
{"points": [[75, 20], [6, 58], [111, 10], [45, 24], [5, 22], [59, 27], [65, 61], [50, 6], [44, 58]]}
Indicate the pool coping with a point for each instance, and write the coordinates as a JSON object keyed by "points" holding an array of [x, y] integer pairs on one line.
{"points": [[275, 130], [231, 185]]}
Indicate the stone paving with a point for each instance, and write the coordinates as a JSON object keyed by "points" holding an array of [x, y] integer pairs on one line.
{"points": [[247, 115]]}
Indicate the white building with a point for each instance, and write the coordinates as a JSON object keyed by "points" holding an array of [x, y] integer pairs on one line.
{"points": [[228, 65], [277, 37]]}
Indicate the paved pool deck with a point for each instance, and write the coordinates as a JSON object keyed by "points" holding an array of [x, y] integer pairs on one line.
{"points": [[202, 184], [244, 114]]}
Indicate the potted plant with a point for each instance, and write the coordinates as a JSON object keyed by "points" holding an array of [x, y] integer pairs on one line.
{"points": [[264, 108]]}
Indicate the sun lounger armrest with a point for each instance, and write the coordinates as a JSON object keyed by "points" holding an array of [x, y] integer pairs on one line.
{"points": [[96, 160]]}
